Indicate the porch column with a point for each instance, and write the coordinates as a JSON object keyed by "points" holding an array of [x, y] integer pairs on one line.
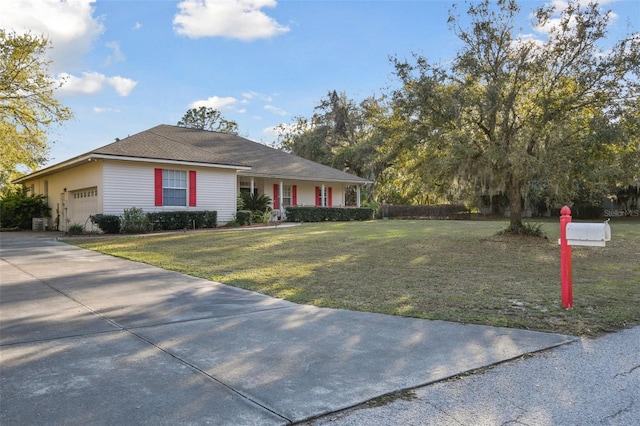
{"points": [[280, 196], [357, 195], [323, 199], [252, 185]]}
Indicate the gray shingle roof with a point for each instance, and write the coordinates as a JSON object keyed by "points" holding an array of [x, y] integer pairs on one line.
{"points": [[175, 143]]}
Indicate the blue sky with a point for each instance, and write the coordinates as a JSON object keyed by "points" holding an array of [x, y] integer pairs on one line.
{"points": [[131, 65]]}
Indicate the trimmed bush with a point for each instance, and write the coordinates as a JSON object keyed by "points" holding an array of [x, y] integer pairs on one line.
{"points": [[110, 224], [243, 217], [333, 214], [170, 221]]}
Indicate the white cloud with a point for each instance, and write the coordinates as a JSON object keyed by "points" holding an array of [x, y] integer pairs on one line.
{"points": [[255, 95], [100, 110], [88, 84], [136, 26], [275, 110], [116, 55], [216, 103], [69, 25], [93, 82], [124, 86], [239, 19]]}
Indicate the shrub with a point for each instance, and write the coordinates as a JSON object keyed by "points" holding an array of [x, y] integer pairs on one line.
{"points": [[334, 214], [257, 204], [17, 209], [170, 221], [243, 217], [135, 221], [75, 229], [527, 229], [110, 224], [262, 217]]}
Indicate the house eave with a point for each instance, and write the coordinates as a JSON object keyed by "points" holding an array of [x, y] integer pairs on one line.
{"points": [[306, 178], [93, 157], [55, 168]]}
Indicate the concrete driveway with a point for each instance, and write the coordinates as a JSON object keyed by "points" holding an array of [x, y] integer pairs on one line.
{"points": [[87, 338]]}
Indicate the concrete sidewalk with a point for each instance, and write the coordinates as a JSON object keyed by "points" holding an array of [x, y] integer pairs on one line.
{"points": [[589, 382], [87, 338]]}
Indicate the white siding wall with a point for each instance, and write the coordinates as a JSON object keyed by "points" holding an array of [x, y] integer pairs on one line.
{"points": [[130, 184], [217, 190], [127, 185]]}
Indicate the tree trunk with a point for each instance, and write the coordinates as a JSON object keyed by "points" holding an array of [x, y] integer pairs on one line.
{"points": [[515, 206]]}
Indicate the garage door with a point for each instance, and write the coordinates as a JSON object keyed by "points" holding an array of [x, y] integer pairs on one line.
{"points": [[82, 204]]}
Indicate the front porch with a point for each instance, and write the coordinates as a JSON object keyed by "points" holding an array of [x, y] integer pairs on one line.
{"points": [[298, 193]]}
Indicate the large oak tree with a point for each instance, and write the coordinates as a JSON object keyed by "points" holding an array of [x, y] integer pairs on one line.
{"points": [[521, 115]]}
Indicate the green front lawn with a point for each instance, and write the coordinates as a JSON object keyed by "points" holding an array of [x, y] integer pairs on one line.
{"points": [[447, 270]]}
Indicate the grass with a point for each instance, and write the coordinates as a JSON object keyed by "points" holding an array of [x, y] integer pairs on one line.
{"points": [[448, 270]]}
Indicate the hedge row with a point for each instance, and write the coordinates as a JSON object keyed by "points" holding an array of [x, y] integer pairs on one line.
{"points": [[443, 211], [164, 221], [333, 214], [169, 221]]}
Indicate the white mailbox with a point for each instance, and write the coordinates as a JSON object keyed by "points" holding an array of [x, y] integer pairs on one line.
{"points": [[588, 234]]}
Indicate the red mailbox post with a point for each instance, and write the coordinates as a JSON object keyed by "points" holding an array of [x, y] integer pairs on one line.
{"points": [[565, 259]]}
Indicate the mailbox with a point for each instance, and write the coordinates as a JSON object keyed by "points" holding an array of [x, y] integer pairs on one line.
{"points": [[588, 234]]}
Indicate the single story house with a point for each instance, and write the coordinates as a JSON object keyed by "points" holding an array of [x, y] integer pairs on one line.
{"points": [[169, 168]]}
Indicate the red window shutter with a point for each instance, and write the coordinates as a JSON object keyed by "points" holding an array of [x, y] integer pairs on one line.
{"points": [[276, 188], [294, 195], [192, 188], [329, 198], [318, 196], [158, 187]]}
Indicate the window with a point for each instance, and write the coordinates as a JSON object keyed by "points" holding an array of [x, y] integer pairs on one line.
{"points": [[289, 195], [245, 187], [324, 198], [174, 188], [286, 195]]}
